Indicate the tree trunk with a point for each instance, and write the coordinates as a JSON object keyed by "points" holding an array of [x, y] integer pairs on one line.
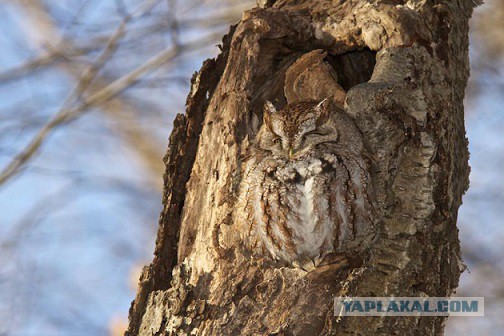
{"points": [[400, 69]]}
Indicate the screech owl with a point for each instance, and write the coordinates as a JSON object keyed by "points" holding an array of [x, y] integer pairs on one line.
{"points": [[304, 191]]}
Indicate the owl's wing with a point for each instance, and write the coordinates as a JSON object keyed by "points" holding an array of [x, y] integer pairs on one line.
{"points": [[354, 207], [339, 195]]}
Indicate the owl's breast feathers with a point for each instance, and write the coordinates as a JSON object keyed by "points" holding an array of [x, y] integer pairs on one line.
{"points": [[298, 210]]}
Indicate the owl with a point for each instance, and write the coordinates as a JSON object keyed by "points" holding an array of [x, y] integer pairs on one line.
{"points": [[304, 189]]}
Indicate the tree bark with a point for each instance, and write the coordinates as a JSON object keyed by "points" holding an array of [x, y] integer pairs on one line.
{"points": [[400, 69]]}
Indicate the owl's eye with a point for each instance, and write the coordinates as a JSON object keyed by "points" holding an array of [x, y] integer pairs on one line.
{"points": [[277, 141], [315, 133]]}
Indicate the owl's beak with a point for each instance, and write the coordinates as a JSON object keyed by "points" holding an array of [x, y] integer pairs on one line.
{"points": [[291, 152]]}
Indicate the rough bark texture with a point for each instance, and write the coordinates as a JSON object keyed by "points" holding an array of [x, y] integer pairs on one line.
{"points": [[404, 67]]}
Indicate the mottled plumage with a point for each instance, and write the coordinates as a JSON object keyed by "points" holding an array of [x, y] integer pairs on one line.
{"points": [[303, 193]]}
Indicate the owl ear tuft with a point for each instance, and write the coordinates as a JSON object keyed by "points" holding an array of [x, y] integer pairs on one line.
{"points": [[269, 109], [323, 110]]}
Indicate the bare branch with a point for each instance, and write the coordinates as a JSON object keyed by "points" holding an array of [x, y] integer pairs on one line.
{"points": [[100, 89], [69, 114]]}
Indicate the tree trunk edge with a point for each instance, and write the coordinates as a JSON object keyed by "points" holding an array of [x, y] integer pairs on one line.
{"points": [[179, 159]]}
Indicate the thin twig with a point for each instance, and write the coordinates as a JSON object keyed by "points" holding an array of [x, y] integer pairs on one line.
{"points": [[88, 75], [46, 59]]}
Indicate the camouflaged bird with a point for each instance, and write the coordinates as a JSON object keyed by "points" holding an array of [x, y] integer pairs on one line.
{"points": [[303, 194]]}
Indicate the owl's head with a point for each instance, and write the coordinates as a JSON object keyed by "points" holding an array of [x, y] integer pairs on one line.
{"points": [[296, 129]]}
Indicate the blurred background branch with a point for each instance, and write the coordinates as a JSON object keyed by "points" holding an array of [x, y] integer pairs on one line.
{"points": [[88, 92]]}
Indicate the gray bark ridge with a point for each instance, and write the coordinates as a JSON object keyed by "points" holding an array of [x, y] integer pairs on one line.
{"points": [[410, 113]]}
